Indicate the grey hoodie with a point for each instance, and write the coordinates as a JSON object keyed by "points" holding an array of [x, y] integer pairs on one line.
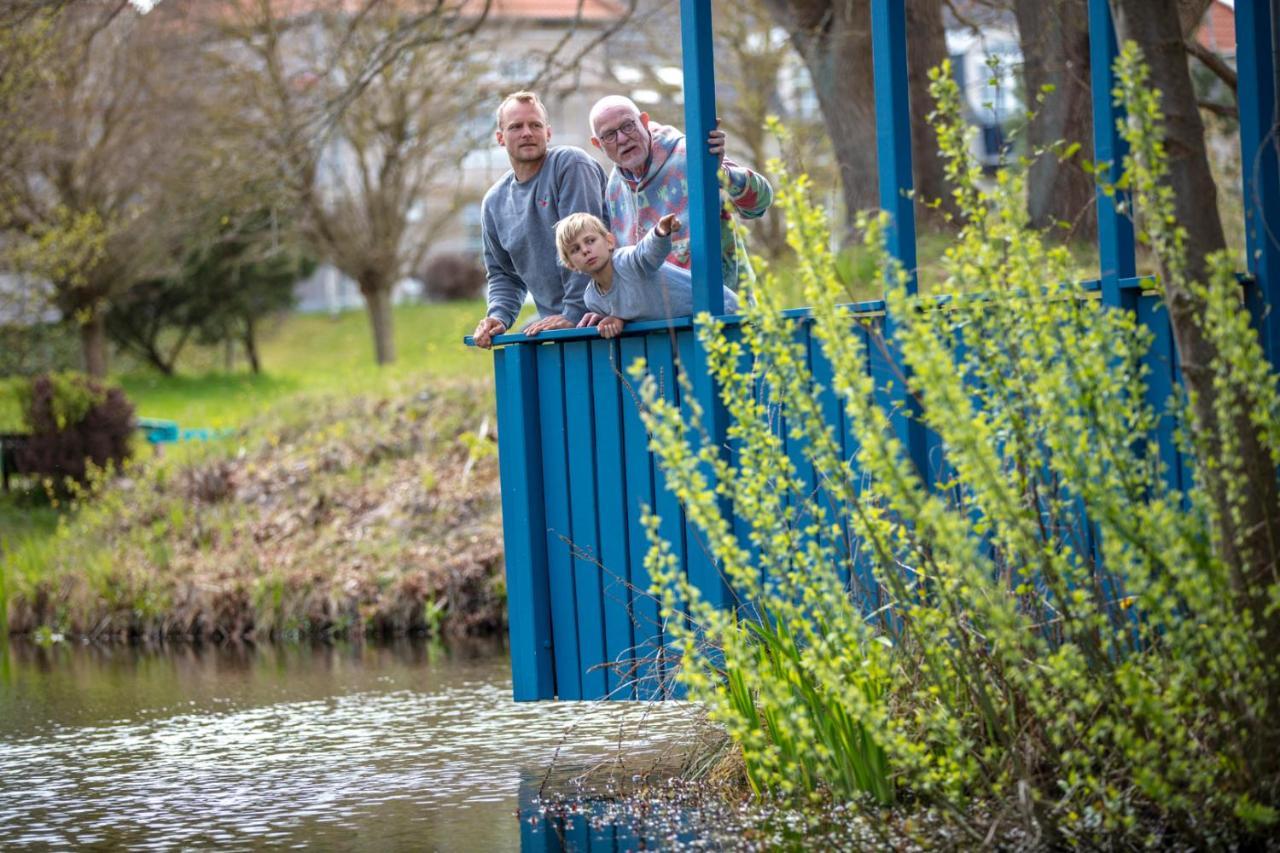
{"points": [[519, 232]]}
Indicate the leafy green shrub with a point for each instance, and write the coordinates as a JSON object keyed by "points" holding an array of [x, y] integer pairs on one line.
{"points": [[1103, 684], [73, 422]]}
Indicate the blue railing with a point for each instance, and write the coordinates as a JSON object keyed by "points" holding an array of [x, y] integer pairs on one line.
{"points": [[573, 453]]}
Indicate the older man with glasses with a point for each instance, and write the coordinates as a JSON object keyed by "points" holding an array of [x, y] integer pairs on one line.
{"points": [[650, 180]]}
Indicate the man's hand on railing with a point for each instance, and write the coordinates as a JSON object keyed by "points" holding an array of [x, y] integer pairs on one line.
{"points": [[546, 324], [590, 319], [488, 329]]}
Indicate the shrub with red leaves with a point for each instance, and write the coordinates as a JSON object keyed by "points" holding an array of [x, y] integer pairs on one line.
{"points": [[74, 421]]}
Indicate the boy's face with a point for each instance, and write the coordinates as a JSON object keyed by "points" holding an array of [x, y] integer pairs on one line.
{"points": [[591, 251]]}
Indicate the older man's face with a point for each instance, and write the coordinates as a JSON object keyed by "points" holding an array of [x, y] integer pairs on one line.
{"points": [[624, 137]]}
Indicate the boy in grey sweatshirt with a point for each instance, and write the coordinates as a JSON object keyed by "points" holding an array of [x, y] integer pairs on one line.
{"points": [[631, 282]]}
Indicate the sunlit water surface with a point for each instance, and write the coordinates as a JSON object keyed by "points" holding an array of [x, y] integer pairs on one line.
{"points": [[354, 747]]}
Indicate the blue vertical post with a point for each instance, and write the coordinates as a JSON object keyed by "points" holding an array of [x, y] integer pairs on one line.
{"points": [[698, 57], [704, 245], [1256, 35], [1115, 228], [523, 524], [893, 155]]}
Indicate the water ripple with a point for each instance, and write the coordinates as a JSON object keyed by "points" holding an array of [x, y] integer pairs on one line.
{"points": [[432, 767]]}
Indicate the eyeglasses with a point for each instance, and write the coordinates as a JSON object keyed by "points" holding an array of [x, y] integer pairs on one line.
{"points": [[627, 128]]}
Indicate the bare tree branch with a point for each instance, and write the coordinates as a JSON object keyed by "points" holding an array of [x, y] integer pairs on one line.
{"points": [[1213, 62]]}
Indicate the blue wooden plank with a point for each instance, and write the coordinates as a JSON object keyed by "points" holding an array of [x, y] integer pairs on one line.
{"points": [[703, 572], [611, 493], [1115, 229], [795, 449], [1256, 96], [1160, 360], [741, 527], [698, 56], [893, 152], [583, 502], [833, 417], [885, 377], [893, 128], [555, 480], [645, 627], [661, 354], [803, 335], [524, 526]]}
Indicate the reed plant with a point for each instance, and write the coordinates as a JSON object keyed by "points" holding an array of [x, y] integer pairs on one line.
{"points": [[1039, 634]]}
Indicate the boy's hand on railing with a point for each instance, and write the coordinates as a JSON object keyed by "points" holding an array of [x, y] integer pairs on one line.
{"points": [[610, 327], [668, 225], [590, 319], [488, 329]]}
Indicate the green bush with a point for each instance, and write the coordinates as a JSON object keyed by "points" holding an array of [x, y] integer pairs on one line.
{"points": [[1107, 686]]}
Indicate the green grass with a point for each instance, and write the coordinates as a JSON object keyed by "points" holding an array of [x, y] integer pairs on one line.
{"points": [[311, 353]]}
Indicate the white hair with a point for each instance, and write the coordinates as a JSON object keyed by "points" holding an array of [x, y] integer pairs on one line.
{"points": [[608, 102]]}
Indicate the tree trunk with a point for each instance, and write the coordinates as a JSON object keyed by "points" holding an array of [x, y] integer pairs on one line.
{"points": [[377, 298], [834, 40], [93, 344], [1054, 36], [1250, 540], [926, 49], [250, 341], [159, 362]]}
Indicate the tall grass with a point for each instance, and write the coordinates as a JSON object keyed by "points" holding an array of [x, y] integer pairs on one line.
{"points": [[962, 637]]}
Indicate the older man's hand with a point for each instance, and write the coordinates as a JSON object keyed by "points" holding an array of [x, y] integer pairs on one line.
{"points": [[546, 324], [487, 330], [716, 143]]}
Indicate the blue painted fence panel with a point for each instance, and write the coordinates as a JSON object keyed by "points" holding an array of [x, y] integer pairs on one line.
{"points": [[645, 626], [558, 532], [523, 524], [662, 364], [580, 430], [611, 498]]}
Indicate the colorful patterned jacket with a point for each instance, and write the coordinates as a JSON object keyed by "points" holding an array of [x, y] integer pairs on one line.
{"points": [[636, 204]]}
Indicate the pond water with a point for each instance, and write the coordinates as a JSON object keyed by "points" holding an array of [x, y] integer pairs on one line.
{"points": [[361, 747]]}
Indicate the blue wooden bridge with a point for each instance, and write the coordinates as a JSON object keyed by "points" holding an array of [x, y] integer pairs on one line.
{"points": [[573, 454]]}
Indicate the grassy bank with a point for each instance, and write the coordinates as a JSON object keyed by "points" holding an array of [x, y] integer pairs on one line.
{"points": [[302, 355], [377, 514]]}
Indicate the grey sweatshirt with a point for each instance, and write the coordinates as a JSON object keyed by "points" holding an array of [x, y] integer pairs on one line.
{"points": [[518, 224], [645, 288]]}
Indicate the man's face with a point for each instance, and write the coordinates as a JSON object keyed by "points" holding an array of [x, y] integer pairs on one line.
{"points": [[591, 251], [524, 132], [624, 137]]}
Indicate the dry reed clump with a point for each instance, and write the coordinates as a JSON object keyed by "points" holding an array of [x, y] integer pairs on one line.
{"points": [[340, 517]]}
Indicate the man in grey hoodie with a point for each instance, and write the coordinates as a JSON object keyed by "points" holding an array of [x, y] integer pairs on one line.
{"points": [[518, 218]]}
